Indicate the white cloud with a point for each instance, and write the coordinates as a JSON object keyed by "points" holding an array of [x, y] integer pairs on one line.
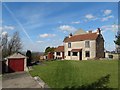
{"points": [[40, 41], [107, 18], [113, 28], [89, 16], [67, 28], [4, 33], [107, 12], [4, 28], [47, 35], [7, 28], [77, 22]]}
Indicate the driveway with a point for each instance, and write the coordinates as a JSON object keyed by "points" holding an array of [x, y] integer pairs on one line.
{"points": [[19, 80]]}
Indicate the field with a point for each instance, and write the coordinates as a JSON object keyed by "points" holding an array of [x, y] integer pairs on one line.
{"points": [[61, 74]]}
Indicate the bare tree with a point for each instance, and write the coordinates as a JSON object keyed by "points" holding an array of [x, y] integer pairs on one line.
{"points": [[4, 44], [14, 45]]}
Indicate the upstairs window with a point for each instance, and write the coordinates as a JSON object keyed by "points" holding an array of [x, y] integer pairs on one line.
{"points": [[87, 44], [69, 45], [75, 53], [87, 53], [58, 53], [68, 53]]}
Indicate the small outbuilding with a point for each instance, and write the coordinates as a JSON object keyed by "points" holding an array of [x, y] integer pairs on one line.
{"points": [[59, 52], [16, 62], [50, 55]]}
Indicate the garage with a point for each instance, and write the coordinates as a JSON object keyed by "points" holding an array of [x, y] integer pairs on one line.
{"points": [[16, 63]]}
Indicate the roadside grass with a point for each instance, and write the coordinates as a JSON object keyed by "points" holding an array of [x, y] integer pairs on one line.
{"points": [[61, 74]]}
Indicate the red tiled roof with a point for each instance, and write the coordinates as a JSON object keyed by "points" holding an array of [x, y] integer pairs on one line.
{"points": [[59, 49], [76, 50], [88, 36]]}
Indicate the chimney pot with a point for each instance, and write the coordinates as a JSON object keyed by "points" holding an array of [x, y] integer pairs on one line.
{"points": [[70, 35], [90, 31], [99, 31]]}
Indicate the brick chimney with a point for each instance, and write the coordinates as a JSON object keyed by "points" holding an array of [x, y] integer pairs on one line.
{"points": [[70, 35], [99, 31], [90, 31]]}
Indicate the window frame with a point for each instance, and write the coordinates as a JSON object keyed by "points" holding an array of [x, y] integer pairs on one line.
{"points": [[87, 53], [57, 53], [69, 45], [73, 54], [69, 53], [87, 44]]}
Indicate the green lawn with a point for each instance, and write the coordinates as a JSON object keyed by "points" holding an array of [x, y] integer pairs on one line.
{"points": [[59, 74]]}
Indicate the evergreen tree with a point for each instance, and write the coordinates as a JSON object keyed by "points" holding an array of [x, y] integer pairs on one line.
{"points": [[117, 42], [118, 39], [29, 57], [49, 49]]}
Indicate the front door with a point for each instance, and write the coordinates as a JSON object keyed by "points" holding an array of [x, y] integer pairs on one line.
{"points": [[80, 55], [62, 55]]}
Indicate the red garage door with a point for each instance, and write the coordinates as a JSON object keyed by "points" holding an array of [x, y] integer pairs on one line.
{"points": [[16, 65]]}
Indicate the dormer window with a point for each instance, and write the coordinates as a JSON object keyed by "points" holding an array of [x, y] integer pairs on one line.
{"points": [[69, 45], [87, 44]]}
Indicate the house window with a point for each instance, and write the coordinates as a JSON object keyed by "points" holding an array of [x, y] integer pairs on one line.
{"points": [[58, 53], [68, 53], [69, 45], [87, 44], [75, 53], [110, 56], [87, 53]]}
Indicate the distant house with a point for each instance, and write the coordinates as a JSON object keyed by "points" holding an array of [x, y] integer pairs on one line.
{"points": [[50, 55], [41, 57], [79, 32], [112, 55], [59, 52], [84, 46], [117, 50]]}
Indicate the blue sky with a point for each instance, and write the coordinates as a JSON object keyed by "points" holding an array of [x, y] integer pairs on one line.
{"points": [[46, 24]]}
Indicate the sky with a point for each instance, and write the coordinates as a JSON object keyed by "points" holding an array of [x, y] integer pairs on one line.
{"points": [[43, 24]]}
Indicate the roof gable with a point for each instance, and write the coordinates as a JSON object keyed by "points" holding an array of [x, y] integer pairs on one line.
{"points": [[79, 32]]}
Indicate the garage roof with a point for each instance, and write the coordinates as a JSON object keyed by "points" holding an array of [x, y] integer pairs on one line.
{"points": [[17, 55]]}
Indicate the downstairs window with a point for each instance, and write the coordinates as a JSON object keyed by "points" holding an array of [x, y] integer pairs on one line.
{"points": [[75, 53]]}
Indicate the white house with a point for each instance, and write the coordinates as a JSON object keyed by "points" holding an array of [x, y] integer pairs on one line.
{"points": [[84, 46]]}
